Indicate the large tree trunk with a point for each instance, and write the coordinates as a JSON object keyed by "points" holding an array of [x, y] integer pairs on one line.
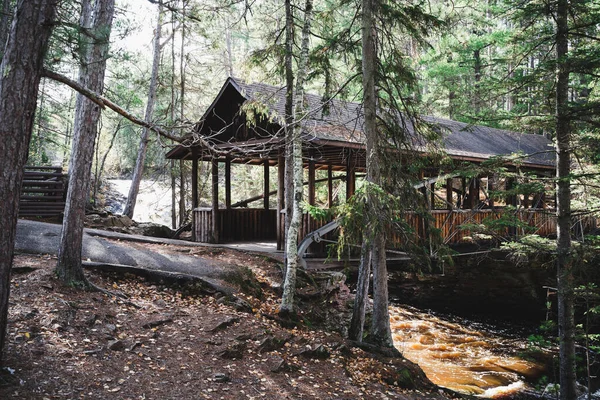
{"points": [[19, 81], [5, 18], [566, 324], [141, 157], [98, 20], [289, 285], [374, 236]]}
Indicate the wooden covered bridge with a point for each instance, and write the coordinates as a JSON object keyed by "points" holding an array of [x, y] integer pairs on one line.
{"points": [[244, 125]]}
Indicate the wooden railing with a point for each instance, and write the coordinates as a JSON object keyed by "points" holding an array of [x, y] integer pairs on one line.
{"points": [[235, 225], [260, 224], [43, 193]]}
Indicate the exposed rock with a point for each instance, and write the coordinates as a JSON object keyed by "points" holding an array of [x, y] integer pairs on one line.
{"points": [[110, 329], [158, 322], [227, 322], [272, 343], [116, 345], [320, 352], [221, 377], [233, 351], [243, 337], [280, 365], [152, 229]]}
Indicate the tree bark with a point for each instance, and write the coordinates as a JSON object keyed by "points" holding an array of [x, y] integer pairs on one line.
{"points": [[141, 157], [566, 324], [374, 235], [98, 21], [182, 114], [6, 12], [357, 322], [21, 68], [289, 120], [289, 285]]}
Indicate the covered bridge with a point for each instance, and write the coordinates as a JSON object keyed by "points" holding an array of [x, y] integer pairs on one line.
{"points": [[244, 124]]}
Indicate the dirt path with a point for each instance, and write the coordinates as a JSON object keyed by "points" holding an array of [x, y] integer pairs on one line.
{"points": [[169, 342]]}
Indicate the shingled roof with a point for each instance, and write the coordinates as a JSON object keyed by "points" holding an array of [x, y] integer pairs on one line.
{"points": [[342, 126]]}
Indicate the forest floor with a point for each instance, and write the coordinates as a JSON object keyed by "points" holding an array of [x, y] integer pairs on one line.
{"points": [[172, 342]]}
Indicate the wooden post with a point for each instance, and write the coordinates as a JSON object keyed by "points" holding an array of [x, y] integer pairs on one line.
{"points": [[195, 157], [432, 205], [462, 197], [266, 189], [350, 176], [491, 184], [311, 193], [473, 196], [280, 201], [228, 183], [449, 190], [512, 199], [311, 182], [215, 200], [329, 186]]}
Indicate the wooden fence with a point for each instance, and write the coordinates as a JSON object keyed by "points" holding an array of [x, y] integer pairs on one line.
{"points": [[235, 225], [43, 193]]}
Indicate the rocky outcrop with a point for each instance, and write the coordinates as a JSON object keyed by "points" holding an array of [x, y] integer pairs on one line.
{"points": [[488, 285], [124, 224]]}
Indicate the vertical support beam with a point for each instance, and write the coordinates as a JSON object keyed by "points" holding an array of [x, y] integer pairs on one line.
{"points": [[330, 186], [350, 176], [512, 199], [311, 192], [266, 189], [491, 188], [449, 190], [228, 182], [311, 182], [280, 202], [195, 157], [473, 197], [215, 200], [462, 197], [432, 203]]}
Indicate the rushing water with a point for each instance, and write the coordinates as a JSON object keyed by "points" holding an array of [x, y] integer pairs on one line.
{"points": [[462, 358]]}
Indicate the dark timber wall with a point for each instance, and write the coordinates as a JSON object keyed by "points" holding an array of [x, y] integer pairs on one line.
{"points": [[44, 192]]}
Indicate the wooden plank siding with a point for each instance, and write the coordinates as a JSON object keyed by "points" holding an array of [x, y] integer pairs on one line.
{"points": [[236, 224], [43, 192], [250, 224]]}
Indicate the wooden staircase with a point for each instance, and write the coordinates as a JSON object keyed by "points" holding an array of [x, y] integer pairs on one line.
{"points": [[44, 192]]}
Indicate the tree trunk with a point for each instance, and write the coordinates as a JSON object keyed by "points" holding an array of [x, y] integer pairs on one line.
{"points": [[289, 285], [360, 299], [91, 75], [182, 179], [19, 82], [141, 157], [566, 324], [6, 12], [374, 237], [289, 120], [172, 171]]}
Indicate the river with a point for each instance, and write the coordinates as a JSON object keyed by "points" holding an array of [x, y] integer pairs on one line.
{"points": [[461, 355]]}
